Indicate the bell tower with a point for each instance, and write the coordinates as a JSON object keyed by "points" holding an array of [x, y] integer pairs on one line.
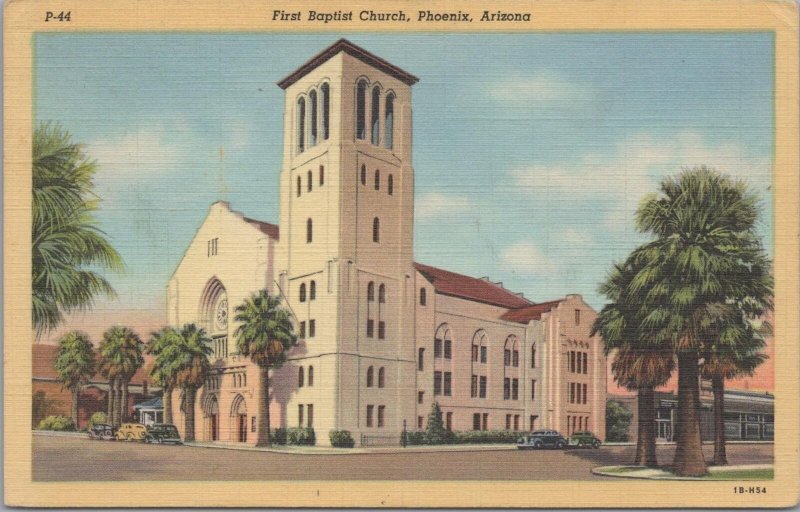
{"points": [[344, 258]]}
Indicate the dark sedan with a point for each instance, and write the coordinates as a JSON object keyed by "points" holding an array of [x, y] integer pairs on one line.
{"points": [[542, 439], [162, 433], [102, 431]]}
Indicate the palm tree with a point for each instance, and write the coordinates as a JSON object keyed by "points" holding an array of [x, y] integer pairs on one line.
{"points": [[65, 239], [265, 334], [705, 252], [740, 356], [75, 365], [120, 357], [637, 366], [192, 367], [165, 346]]}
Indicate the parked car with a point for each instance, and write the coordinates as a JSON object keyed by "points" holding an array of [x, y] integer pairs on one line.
{"points": [[542, 439], [162, 433], [584, 439], [131, 432], [102, 431]]}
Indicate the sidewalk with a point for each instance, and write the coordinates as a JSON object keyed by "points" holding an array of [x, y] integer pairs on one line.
{"points": [[740, 472], [326, 450]]}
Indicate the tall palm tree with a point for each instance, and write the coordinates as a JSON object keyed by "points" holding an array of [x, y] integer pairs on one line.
{"points": [[75, 365], [120, 357], [705, 251], [638, 365], [165, 346], [739, 356], [265, 334], [65, 239], [192, 366]]}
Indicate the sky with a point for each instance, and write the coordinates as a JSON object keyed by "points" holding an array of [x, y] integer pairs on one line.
{"points": [[531, 152]]}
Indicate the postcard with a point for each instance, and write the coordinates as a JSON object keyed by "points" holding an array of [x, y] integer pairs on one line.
{"points": [[429, 254]]}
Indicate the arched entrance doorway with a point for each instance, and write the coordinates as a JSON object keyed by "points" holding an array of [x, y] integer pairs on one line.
{"points": [[211, 416], [239, 419]]}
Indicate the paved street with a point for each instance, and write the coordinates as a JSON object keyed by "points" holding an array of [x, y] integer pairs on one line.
{"points": [[76, 459]]}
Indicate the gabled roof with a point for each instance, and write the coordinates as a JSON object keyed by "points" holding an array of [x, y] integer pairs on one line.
{"points": [[44, 366], [526, 314], [471, 288], [271, 230], [343, 45]]}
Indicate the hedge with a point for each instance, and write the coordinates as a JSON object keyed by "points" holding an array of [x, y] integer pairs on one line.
{"points": [[294, 436], [466, 437], [61, 423], [341, 439]]}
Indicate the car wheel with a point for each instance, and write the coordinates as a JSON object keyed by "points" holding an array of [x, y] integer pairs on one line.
{"points": [[129, 438], [537, 445], [560, 445], [596, 445]]}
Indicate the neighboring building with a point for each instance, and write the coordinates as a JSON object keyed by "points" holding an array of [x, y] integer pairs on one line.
{"points": [[382, 337], [749, 415], [51, 398]]}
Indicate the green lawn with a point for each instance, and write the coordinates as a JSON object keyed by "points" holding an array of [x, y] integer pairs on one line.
{"points": [[742, 474]]}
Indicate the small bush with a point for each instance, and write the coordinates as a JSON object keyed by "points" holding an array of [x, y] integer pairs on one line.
{"points": [[301, 436], [415, 437], [97, 418], [486, 437], [59, 423], [278, 436], [341, 439]]}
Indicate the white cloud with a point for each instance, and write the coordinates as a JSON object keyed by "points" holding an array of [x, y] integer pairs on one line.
{"points": [[524, 257], [435, 204], [147, 150], [541, 89]]}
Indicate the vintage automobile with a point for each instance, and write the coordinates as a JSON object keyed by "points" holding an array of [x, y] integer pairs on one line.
{"points": [[102, 431], [584, 439], [131, 432], [542, 439], [162, 433]]}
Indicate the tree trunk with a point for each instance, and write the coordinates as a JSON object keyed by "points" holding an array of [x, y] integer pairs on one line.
{"points": [[264, 438], [718, 385], [123, 400], [188, 423], [166, 401], [689, 459], [646, 439], [76, 394], [110, 405], [117, 410]]}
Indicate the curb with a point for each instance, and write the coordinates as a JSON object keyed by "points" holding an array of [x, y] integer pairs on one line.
{"points": [[58, 433], [350, 451], [644, 473]]}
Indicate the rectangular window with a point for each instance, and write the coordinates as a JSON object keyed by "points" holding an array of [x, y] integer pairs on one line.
{"points": [[533, 356], [569, 432], [310, 408], [420, 422], [585, 389], [508, 422], [449, 421], [312, 328], [448, 349], [420, 397], [369, 415], [370, 328], [483, 354], [421, 360], [483, 387], [515, 389], [585, 363], [448, 383], [533, 390], [473, 389], [533, 422], [381, 413], [506, 388], [577, 393], [571, 361], [437, 383], [300, 415], [515, 358], [474, 353], [486, 421], [572, 392], [476, 421], [516, 422], [577, 317], [252, 424], [381, 330], [302, 333], [507, 357], [437, 349]]}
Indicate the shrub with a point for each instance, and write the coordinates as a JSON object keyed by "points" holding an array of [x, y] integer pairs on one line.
{"points": [[278, 436], [60, 423], [486, 436], [415, 437], [618, 421], [301, 436], [435, 433], [341, 439], [98, 417]]}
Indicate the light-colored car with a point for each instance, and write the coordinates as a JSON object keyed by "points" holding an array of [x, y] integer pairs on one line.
{"points": [[131, 432], [584, 439]]}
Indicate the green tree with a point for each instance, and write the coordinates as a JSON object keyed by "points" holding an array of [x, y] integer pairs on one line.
{"points": [[705, 251], [120, 357], [165, 346], [193, 366], [75, 365], [265, 334], [618, 421], [65, 239], [435, 433], [638, 365]]}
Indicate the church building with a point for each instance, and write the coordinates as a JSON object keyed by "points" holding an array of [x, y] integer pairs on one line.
{"points": [[382, 337]]}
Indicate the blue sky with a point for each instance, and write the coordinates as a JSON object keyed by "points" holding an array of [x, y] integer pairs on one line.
{"points": [[531, 151]]}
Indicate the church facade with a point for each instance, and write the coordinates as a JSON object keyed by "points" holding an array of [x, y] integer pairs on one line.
{"points": [[382, 337]]}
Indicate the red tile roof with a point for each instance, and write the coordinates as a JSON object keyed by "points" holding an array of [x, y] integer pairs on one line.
{"points": [[528, 313], [44, 358], [271, 230], [471, 288], [343, 45]]}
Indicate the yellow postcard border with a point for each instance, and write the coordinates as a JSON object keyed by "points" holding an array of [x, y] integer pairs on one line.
{"points": [[25, 17]]}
